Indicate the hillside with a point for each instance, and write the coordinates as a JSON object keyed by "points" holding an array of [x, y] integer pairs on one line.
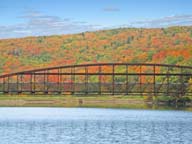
{"points": [[166, 45]]}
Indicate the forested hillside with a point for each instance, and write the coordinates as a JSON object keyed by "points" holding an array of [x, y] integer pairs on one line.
{"points": [[164, 45]]}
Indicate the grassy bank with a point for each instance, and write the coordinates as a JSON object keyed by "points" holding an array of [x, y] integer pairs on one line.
{"points": [[72, 101], [105, 101]]}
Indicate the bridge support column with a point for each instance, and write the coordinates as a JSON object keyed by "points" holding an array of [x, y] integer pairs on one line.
{"points": [[21, 79], [154, 85], [140, 80], [113, 79], [127, 80], [182, 93], [58, 81], [34, 83], [86, 80], [31, 83], [72, 80], [168, 81], [44, 82], [8, 90], [17, 83], [99, 76], [3, 85]]}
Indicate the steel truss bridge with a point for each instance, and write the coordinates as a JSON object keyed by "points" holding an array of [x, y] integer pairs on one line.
{"points": [[102, 78]]}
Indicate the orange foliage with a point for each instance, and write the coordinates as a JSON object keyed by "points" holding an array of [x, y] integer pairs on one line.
{"points": [[128, 45]]}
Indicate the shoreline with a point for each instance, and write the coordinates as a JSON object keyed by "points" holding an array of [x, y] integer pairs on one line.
{"points": [[127, 102]]}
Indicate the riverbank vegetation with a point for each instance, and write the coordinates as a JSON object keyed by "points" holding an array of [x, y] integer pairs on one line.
{"points": [[103, 101]]}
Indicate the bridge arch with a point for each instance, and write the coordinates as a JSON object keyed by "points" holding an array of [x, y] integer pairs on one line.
{"points": [[102, 78]]}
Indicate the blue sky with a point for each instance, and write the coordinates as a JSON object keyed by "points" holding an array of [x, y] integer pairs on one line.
{"points": [[20, 18]]}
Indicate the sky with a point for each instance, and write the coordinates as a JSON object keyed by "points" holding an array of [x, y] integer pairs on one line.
{"points": [[21, 18]]}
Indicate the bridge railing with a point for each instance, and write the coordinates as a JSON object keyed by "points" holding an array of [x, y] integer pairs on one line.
{"points": [[105, 78]]}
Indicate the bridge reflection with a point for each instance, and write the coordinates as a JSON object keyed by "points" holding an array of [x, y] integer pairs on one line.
{"points": [[102, 78]]}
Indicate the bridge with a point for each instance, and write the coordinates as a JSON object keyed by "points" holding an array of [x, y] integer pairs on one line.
{"points": [[102, 78]]}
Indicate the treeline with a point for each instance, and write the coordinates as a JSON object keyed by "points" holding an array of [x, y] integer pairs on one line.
{"points": [[133, 45]]}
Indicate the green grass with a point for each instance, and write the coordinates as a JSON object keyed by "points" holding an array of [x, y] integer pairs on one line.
{"points": [[106, 101], [58, 97], [97, 101]]}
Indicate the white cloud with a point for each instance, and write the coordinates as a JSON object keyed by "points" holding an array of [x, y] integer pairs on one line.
{"points": [[23, 31], [175, 20], [40, 24]]}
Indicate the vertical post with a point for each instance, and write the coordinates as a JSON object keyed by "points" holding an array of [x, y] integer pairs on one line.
{"points": [[61, 80], [168, 81], [100, 70], [58, 81], [17, 83], [8, 84], [21, 80], [140, 82], [113, 79], [127, 80], [86, 80], [72, 80], [47, 81], [44, 82], [34, 83], [31, 83], [4, 85], [181, 82], [154, 80]]}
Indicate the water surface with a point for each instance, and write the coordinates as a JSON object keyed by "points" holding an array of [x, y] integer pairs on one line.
{"points": [[94, 126]]}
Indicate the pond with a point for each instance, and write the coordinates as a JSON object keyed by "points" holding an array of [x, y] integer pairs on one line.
{"points": [[94, 126]]}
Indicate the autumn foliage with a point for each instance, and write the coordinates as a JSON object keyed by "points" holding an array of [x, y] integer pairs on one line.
{"points": [[131, 45]]}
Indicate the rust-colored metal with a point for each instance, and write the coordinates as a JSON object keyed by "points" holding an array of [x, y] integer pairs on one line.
{"points": [[102, 78]]}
